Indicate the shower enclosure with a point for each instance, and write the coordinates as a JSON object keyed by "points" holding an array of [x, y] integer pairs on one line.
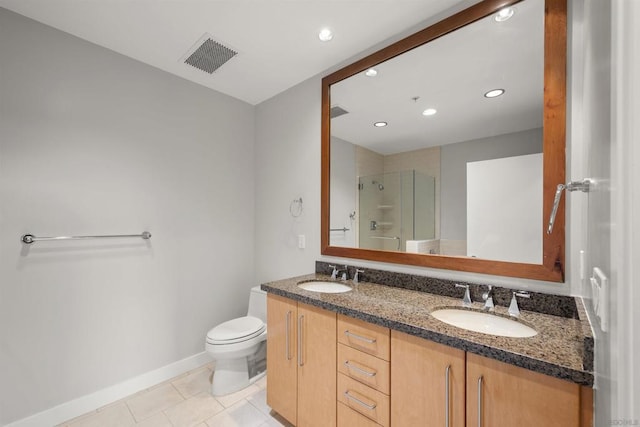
{"points": [[395, 207]]}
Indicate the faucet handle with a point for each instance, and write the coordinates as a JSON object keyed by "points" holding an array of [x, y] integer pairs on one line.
{"points": [[356, 278], [514, 310], [334, 273], [466, 300], [488, 299]]}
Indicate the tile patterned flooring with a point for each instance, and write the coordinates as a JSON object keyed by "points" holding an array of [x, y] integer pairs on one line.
{"points": [[186, 401]]}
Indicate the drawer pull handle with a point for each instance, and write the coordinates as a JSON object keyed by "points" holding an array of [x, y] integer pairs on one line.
{"points": [[358, 337], [358, 401], [360, 370]]}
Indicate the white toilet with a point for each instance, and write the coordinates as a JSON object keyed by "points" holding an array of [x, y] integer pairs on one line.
{"points": [[239, 347]]}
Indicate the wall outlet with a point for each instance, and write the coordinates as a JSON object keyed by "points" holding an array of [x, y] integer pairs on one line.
{"points": [[302, 241]]}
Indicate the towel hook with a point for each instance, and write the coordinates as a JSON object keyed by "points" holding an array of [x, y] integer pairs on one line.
{"points": [[583, 186]]}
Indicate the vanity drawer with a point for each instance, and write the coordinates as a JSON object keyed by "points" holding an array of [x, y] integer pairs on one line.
{"points": [[347, 417], [372, 339], [359, 397], [363, 367]]}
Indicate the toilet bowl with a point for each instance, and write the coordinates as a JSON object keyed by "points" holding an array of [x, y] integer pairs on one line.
{"points": [[239, 347]]}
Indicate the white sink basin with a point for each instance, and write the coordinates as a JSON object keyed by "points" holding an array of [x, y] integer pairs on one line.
{"points": [[485, 323], [324, 287]]}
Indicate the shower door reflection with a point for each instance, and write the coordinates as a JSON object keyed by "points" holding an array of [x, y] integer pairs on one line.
{"points": [[396, 208]]}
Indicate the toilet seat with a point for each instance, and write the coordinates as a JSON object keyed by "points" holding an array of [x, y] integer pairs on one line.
{"points": [[236, 331]]}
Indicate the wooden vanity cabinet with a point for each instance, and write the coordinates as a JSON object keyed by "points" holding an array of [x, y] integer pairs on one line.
{"points": [[331, 370], [427, 383], [301, 357], [499, 394]]}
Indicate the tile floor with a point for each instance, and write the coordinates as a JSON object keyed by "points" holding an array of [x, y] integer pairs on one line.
{"points": [[186, 401]]}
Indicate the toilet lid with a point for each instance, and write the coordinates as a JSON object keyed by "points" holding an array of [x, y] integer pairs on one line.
{"points": [[236, 330]]}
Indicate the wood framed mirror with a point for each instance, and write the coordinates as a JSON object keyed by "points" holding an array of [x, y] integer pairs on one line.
{"points": [[449, 67]]}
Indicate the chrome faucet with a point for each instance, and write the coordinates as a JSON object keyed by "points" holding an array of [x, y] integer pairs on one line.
{"points": [[514, 310], [488, 299], [466, 300], [356, 278], [336, 271]]}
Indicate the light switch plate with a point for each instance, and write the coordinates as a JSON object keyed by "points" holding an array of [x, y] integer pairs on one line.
{"points": [[600, 297]]}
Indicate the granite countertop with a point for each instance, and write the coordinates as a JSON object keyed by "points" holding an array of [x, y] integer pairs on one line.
{"points": [[558, 350]]}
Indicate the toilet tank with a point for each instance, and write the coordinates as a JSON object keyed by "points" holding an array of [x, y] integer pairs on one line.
{"points": [[258, 304]]}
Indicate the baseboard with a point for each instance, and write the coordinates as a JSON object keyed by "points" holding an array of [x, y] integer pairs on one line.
{"points": [[93, 401]]}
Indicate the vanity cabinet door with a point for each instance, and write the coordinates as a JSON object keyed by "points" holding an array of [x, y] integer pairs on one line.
{"points": [[301, 362], [282, 365], [499, 394], [427, 383], [316, 367]]}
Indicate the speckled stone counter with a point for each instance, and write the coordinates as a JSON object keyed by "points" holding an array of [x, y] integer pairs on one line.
{"points": [[558, 350]]}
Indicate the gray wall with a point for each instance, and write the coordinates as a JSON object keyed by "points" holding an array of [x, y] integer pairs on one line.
{"points": [[287, 166], [92, 142], [453, 173]]}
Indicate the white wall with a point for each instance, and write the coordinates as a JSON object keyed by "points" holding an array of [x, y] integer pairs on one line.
{"points": [[92, 142]]}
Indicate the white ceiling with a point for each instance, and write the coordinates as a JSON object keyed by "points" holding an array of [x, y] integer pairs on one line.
{"points": [[450, 74], [276, 39]]}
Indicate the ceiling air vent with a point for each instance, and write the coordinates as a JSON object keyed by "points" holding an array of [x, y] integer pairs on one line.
{"points": [[208, 55], [338, 111]]}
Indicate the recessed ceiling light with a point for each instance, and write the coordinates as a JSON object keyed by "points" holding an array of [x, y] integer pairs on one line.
{"points": [[429, 112], [380, 124], [494, 93], [504, 14], [325, 35], [371, 72]]}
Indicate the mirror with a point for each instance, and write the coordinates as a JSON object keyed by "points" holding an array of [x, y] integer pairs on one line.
{"points": [[429, 187]]}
